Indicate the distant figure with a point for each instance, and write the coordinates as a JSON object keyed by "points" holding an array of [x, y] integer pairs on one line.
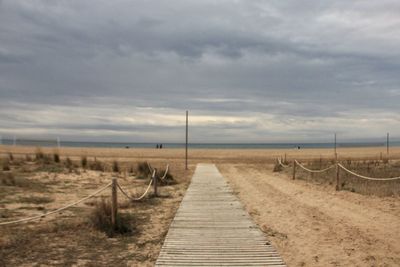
{"points": [[298, 147], [127, 147], [160, 146], [157, 146]]}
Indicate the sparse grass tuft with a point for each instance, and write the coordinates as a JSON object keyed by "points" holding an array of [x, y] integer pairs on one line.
{"points": [[277, 167], [115, 166], [39, 155], [7, 179], [100, 218], [143, 170], [56, 157], [28, 158], [97, 165], [35, 200], [168, 180], [6, 165], [84, 162]]}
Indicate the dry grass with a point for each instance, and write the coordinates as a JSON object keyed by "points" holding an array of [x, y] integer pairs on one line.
{"points": [[100, 219], [369, 168], [80, 235], [35, 200], [142, 170]]}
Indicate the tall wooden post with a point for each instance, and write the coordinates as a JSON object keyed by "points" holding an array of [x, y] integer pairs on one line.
{"points": [[114, 202], [155, 181], [294, 169], [187, 139]]}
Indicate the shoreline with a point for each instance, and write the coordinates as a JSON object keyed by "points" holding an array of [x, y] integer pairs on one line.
{"points": [[209, 155]]}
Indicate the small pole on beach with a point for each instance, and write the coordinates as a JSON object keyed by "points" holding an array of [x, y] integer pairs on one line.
{"points": [[294, 169], [335, 147], [155, 181], [387, 145], [337, 176], [114, 202], [187, 135]]}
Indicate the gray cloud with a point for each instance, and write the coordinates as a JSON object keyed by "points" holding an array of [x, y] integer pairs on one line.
{"points": [[289, 67]]}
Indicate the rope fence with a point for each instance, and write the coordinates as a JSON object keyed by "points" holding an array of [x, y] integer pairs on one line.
{"points": [[57, 210], [314, 171], [139, 198], [366, 177], [114, 205], [337, 167], [283, 165]]}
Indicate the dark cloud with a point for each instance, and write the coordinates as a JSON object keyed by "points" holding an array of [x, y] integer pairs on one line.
{"points": [[267, 70]]}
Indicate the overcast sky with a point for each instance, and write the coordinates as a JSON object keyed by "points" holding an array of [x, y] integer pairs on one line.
{"points": [[248, 71]]}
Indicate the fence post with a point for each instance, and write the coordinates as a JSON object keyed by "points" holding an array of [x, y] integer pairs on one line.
{"points": [[294, 169], [114, 202], [337, 176], [155, 181]]}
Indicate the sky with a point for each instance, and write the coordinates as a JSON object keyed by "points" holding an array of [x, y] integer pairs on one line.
{"points": [[247, 71]]}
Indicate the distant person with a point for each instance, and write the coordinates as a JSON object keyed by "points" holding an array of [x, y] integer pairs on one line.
{"points": [[157, 146], [160, 146], [298, 147]]}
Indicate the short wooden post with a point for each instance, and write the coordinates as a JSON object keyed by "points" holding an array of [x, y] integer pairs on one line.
{"points": [[114, 202], [294, 169], [337, 176], [155, 181], [285, 159]]}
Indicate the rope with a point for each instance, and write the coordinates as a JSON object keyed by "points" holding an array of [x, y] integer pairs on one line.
{"points": [[283, 165], [57, 210], [314, 171], [367, 178], [166, 172], [139, 198]]}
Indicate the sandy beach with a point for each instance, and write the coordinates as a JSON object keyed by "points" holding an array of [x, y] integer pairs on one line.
{"points": [[309, 223]]}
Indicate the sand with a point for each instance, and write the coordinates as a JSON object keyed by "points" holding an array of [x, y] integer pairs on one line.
{"points": [[313, 225], [309, 224]]}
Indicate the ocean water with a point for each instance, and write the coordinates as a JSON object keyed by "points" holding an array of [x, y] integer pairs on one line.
{"points": [[53, 143]]}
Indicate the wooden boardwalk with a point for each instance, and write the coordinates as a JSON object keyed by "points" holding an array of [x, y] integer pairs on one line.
{"points": [[211, 228]]}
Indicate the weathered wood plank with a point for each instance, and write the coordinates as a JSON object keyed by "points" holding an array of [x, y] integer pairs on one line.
{"points": [[211, 228]]}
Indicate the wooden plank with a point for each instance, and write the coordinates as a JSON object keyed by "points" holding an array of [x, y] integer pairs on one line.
{"points": [[211, 228]]}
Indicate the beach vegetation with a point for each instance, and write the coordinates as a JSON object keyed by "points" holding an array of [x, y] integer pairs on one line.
{"points": [[100, 219]]}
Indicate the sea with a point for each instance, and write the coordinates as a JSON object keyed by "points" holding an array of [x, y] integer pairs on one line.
{"points": [[289, 145]]}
